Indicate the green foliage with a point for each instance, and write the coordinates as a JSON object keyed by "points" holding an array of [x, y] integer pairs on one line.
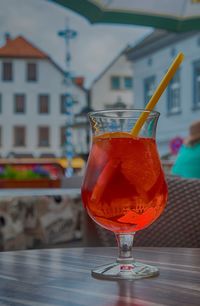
{"points": [[10, 172]]}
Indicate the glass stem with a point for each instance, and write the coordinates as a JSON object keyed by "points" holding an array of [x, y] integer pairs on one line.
{"points": [[125, 246]]}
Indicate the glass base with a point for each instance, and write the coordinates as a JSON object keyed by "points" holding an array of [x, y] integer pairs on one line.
{"points": [[131, 271]]}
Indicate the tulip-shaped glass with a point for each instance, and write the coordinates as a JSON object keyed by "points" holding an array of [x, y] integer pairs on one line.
{"points": [[124, 188]]}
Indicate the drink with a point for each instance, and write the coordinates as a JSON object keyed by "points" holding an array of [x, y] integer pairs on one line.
{"points": [[124, 188]]}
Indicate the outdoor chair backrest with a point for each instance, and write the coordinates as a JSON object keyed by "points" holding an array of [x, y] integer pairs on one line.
{"points": [[178, 226]]}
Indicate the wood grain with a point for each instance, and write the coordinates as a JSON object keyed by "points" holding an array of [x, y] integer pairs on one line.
{"points": [[62, 277]]}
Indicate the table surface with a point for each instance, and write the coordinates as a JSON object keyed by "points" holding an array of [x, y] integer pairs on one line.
{"points": [[62, 277]]}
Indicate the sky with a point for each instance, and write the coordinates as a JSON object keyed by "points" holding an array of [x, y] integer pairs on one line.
{"points": [[92, 50]]}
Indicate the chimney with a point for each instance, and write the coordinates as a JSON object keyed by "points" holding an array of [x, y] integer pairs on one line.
{"points": [[7, 37]]}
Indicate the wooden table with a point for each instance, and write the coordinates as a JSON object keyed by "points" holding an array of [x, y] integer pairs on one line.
{"points": [[62, 277]]}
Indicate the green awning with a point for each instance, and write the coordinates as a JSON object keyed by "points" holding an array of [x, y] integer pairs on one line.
{"points": [[179, 15]]}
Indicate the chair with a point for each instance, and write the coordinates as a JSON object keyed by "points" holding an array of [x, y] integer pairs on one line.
{"points": [[178, 226]]}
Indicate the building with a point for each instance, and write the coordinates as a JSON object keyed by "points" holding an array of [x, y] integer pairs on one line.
{"points": [[32, 102], [180, 103], [113, 88]]}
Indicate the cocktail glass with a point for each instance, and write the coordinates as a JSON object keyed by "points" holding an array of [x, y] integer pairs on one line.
{"points": [[124, 188]]}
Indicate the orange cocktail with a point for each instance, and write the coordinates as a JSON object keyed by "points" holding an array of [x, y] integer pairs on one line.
{"points": [[124, 188]]}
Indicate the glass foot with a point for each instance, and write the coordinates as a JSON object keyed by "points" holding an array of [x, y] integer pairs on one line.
{"points": [[116, 271]]}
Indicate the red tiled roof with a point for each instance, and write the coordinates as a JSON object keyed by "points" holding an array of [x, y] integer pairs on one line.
{"points": [[21, 48]]}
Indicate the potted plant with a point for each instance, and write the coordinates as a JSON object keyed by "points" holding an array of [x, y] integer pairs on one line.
{"points": [[22, 177]]}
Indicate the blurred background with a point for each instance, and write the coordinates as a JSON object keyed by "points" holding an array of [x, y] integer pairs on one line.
{"points": [[56, 66]]}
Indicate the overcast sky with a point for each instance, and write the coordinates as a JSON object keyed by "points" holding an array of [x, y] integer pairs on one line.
{"points": [[92, 50]]}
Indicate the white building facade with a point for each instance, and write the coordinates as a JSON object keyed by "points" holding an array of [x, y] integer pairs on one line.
{"points": [[179, 105], [114, 86], [32, 113]]}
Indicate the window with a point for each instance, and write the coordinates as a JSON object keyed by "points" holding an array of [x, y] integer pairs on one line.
{"points": [[62, 104], [31, 72], [149, 86], [43, 107], [62, 135], [19, 104], [121, 82], [174, 101], [197, 84], [115, 82], [149, 61], [43, 136], [128, 82], [19, 136], [7, 71], [173, 52]]}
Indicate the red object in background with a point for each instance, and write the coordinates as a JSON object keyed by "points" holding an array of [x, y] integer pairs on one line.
{"points": [[79, 81], [175, 145]]}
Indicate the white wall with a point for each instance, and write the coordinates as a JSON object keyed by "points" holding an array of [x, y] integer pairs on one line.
{"points": [[101, 92], [50, 81]]}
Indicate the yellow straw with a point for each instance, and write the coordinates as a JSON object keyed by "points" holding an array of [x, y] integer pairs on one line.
{"points": [[157, 94]]}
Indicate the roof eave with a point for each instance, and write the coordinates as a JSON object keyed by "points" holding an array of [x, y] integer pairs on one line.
{"points": [[22, 57], [144, 49]]}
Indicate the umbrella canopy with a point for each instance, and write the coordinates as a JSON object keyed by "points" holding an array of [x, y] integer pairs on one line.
{"points": [[174, 15]]}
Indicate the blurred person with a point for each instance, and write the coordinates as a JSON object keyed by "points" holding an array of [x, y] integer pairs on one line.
{"points": [[187, 163]]}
